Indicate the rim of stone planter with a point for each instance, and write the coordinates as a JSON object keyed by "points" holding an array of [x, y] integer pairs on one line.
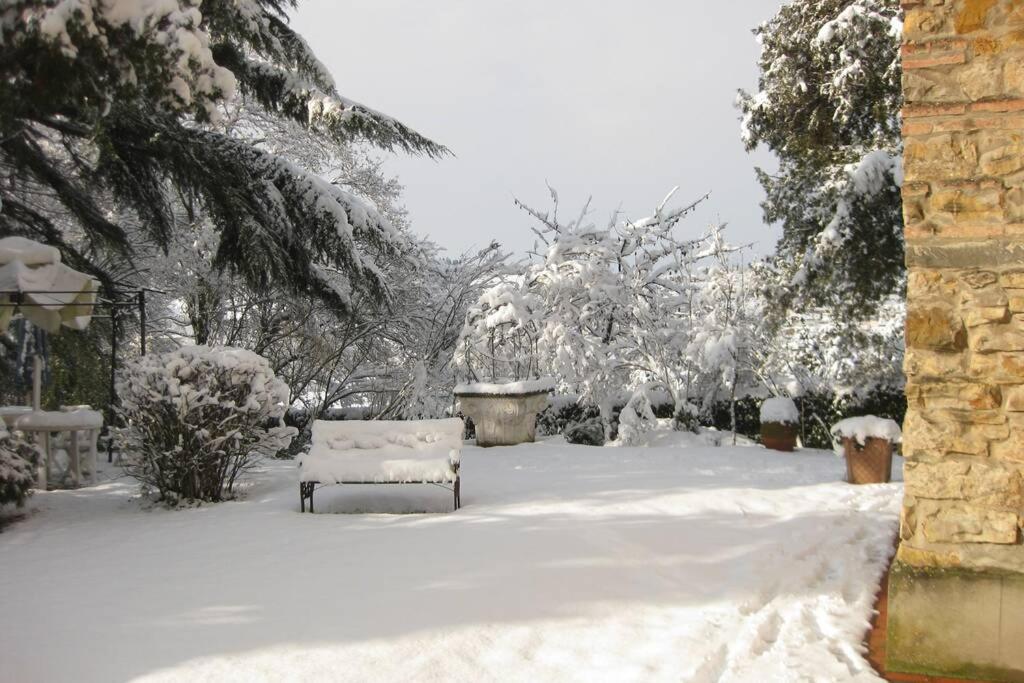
{"points": [[510, 394], [507, 389]]}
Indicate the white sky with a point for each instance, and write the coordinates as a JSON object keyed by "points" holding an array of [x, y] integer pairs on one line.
{"points": [[620, 101]]}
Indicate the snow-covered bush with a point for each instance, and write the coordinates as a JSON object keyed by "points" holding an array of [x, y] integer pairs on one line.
{"points": [[563, 412], [779, 411], [199, 417], [17, 474], [637, 418], [587, 433]]}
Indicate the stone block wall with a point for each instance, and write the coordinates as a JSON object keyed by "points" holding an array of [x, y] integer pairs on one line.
{"points": [[963, 194]]}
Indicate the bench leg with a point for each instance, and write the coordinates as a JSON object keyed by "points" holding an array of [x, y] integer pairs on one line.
{"points": [[306, 489], [458, 500]]}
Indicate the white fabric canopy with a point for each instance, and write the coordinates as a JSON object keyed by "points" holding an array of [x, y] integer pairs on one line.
{"points": [[57, 295]]}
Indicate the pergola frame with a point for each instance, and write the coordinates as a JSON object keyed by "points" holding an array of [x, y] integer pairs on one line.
{"points": [[116, 301]]}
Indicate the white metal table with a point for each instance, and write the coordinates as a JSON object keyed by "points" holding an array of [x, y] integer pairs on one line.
{"points": [[76, 422]]}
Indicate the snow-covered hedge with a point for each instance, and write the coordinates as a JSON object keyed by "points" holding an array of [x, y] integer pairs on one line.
{"points": [[17, 474], [860, 429], [779, 411], [199, 417]]}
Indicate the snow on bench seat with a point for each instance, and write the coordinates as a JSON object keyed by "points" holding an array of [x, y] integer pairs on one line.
{"points": [[378, 466], [382, 452]]}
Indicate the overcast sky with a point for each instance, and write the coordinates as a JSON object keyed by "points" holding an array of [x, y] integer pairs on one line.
{"points": [[620, 101]]}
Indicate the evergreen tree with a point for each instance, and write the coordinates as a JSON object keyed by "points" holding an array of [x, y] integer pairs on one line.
{"points": [[828, 107], [111, 118]]}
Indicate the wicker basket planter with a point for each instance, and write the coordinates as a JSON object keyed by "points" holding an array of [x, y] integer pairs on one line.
{"points": [[779, 436], [870, 463], [867, 444], [779, 424]]}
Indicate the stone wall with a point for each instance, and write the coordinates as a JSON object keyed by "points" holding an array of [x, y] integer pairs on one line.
{"points": [[963, 194], [957, 588]]}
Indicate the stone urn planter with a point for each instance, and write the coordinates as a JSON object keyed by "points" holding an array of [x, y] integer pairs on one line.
{"points": [[867, 444], [780, 424], [504, 414]]}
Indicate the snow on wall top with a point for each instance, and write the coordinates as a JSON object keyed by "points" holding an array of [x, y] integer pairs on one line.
{"points": [[532, 386], [867, 427], [779, 410]]}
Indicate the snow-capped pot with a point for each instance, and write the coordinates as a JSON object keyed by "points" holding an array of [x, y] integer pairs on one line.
{"points": [[867, 444], [779, 411], [780, 422], [504, 413], [544, 385]]}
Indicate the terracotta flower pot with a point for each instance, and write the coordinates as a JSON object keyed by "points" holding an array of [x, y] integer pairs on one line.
{"points": [[779, 436], [870, 463]]}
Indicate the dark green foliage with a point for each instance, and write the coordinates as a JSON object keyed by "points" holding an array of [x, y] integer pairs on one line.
{"points": [[17, 469], [556, 418], [818, 412], [110, 125], [820, 100], [748, 416], [587, 433], [828, 107], [80, 368]]}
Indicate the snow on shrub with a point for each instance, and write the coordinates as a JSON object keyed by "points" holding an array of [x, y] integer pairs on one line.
{"points": [[587, 433], [17, 474], [199, 417], [860, 429], [779, 411], [637, 417]]}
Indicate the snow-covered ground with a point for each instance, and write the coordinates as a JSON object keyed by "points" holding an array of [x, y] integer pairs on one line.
{"points": [[566, 563]]}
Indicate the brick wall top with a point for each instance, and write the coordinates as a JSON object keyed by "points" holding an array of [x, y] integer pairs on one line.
{"points": [[963, 123]]}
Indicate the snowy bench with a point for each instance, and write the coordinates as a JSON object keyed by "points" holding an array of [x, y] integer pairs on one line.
{"points": [[382, 452]]}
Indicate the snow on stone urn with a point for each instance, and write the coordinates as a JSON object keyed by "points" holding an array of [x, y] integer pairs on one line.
{"points": [[780, 423], [867, 443], [504, 414]]}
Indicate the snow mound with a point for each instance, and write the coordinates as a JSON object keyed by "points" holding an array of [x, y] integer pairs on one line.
{"points": [[532, 386], [867, 427], [779, 411]]}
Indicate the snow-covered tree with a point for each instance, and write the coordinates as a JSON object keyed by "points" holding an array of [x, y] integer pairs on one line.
{"points": [[606, 310], [121, 105], [727, 346], [828, 106]]}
